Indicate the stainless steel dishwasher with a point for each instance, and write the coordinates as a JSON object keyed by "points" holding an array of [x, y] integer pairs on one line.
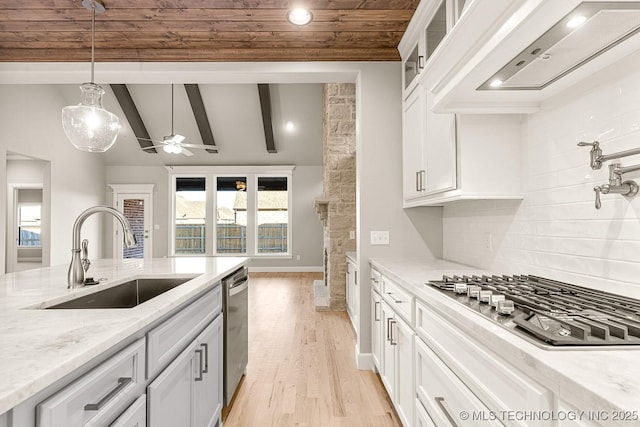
{"points": [[235, 308]]}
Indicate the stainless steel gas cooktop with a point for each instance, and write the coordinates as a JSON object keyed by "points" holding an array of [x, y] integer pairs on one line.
{"points": [[549, 312]]}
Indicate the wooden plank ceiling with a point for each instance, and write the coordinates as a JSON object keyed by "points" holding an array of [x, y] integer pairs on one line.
{"points": [[202, 30]]}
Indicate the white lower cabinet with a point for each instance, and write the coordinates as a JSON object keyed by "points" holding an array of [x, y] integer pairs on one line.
{"points": [[397, 362], [99, 396], [403, 336], [353, 293], [376, 329], [388, 363], [188, 393], [135, 415], [448, 401]]}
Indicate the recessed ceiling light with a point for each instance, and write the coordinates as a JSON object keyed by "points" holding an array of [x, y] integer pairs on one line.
{"points": [[576, 21], [299, 16], [289, 126], [496, 83]]}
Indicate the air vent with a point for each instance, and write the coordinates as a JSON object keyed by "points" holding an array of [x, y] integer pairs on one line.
{"points": [[587, 32]]}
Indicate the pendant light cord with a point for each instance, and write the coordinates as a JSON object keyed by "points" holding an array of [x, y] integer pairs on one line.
{"points": [[93, 30], [172, 109]]}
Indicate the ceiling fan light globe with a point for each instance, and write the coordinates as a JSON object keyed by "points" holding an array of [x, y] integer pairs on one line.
{"points": [[172, 149], [88, 125]]}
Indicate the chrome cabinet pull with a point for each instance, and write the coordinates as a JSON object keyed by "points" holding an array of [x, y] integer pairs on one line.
{"points": [[355, 278], [206, 357], [440, 402], [420, 62], [418, 181], [376, 315], [199, 377], [122, 383], [389, 319], [392, 340]]}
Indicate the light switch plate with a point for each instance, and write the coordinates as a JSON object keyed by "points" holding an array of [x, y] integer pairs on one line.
{"points": [[379, 237]]}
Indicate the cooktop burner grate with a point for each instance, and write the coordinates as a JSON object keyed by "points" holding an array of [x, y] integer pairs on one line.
{"points": [[556, 313]]}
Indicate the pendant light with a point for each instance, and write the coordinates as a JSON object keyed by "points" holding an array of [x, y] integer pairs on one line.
{"points": [[88, 125]]}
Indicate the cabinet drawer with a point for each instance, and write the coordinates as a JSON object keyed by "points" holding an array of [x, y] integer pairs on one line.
{"points": [[96, 398], [477, 367], [376, 279], [422, 418], [443, 395], [135, 415], [166, 341], [399, 299]]}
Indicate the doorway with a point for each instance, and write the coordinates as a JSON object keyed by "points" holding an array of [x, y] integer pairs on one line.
{"points": [[27, 224], [135, 201]]}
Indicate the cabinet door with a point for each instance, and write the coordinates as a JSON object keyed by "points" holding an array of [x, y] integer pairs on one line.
{"points": [[387, 373], [376, 329], [402, 335], [440, 150], [135, 415], [208, 379], [413, 121], [170, 396], [349, 290]]}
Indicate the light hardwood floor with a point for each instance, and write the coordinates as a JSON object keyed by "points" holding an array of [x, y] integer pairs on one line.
{"points": [[302, 368]]}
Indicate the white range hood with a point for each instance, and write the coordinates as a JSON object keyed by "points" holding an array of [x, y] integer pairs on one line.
{"points": [[529, 47], [582, 35]]}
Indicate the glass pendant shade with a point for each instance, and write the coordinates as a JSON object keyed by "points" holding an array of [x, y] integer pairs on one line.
{"points": [[88, 125]]}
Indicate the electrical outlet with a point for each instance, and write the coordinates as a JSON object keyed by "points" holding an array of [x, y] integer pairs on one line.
{"points": [[297, 257], [379, 237], [488, 241]]}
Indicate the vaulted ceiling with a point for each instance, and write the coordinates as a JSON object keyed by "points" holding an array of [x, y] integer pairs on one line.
{"points": [[202, 30]]}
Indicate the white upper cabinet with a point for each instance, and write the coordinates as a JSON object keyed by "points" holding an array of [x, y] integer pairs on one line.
{"points": [[537, 48]]}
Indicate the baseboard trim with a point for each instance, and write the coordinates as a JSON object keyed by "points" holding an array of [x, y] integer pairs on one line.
{"points": [[302, 269], [364, 361]]}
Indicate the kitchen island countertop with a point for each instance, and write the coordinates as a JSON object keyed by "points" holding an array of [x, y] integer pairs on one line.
{"points": [[606, 380], [40, 347]]}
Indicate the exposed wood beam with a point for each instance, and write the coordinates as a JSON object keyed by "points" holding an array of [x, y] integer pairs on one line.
{"points": [[265, 106], [133, 116], [199, 112]]}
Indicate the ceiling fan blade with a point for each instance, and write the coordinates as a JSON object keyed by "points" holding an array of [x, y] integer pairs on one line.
{"points": [[153, 146], [197, 146], [187, 152]]}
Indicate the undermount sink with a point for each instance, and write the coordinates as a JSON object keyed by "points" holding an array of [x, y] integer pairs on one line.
{"points": [[125, 295]]}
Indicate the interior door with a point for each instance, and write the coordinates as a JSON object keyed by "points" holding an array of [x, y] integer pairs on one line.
{"points": [[136, 207]]}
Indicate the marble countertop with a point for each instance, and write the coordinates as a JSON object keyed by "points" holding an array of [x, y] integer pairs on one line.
{"points": [[598, 379], [39, 347]]}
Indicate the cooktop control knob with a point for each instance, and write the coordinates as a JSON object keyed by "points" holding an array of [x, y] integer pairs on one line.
{"points": [[473, 291], [460, 288], [494, 298], [485, 296], [505, 307]]}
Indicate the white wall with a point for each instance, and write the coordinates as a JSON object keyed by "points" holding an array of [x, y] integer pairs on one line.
{"points": [[412, 233], [30, 119], [555, 231]]}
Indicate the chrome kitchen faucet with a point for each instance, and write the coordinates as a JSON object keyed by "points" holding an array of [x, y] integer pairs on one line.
{"points": [[78, 266], [627, 188]]}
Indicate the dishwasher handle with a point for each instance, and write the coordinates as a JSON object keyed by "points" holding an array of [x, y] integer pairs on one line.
{"points": [[237, 288]]}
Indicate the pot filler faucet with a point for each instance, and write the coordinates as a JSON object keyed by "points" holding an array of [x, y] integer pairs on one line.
{"points": [[79, 266], [616, 185]]}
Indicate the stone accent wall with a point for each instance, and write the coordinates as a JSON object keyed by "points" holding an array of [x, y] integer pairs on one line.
{"points": [[339, 185]]}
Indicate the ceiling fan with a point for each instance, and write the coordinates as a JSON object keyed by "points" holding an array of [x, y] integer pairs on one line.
{"points": [[173, 143]]}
